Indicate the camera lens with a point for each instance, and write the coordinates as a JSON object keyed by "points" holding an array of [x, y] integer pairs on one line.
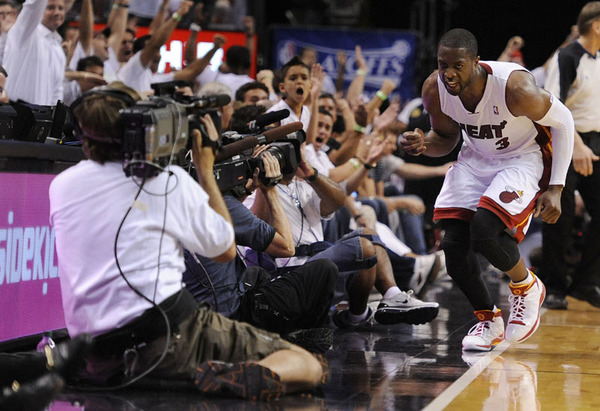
{"points": [[279, 156]]}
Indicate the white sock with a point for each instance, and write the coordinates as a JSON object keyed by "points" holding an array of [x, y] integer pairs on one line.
{"points": [[391, 293], [355, 319], [527, 279]]}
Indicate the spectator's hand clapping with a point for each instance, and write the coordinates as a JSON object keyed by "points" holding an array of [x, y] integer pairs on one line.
{"points": [[376, 149], [388, 86], [361, 63], [380, 122], [316, 78]]}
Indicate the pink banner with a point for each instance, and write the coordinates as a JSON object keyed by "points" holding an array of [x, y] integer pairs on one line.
{"points": [[30, 298]]}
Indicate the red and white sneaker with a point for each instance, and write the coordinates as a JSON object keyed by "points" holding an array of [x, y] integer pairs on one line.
{"points": [[525, 302], [487, 333]]}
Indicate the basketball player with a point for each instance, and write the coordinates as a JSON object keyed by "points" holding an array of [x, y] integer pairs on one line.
{"points": [[518, 141]]}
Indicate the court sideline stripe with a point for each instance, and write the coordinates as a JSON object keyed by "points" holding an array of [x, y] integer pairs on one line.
{"points": [[454, 390]]}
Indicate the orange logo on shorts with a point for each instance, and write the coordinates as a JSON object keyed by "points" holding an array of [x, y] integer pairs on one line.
{"points": [[511, 194]]}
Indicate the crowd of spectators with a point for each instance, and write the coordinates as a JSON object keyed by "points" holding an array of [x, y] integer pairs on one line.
{"points": [[347, 224]]}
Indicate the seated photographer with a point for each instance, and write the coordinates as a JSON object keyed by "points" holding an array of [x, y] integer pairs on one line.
{"points": [[360, 256], [120, 245], [297, 298]]}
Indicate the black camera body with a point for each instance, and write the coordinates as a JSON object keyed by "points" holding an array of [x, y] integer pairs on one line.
{"points": [[232, 174]]}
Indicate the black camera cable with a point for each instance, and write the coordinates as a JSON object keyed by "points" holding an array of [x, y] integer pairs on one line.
{"points": [[140, 294]]}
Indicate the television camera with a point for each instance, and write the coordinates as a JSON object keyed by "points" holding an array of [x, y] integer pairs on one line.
{"points": [[234, 164], [156, 131]]}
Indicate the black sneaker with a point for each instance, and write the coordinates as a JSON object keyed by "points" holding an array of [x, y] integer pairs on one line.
{"points": [[589, 293], [315, 340], [246, 380], [35, 395], [341, 318], [66, 357], [556, 302]]}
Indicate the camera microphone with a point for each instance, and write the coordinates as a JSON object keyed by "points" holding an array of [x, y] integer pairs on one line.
{"points": [[249, 142], [216, 100], [264, 120]]}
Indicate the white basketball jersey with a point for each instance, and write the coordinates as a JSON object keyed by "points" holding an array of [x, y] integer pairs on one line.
{"points": [[492, 130]]}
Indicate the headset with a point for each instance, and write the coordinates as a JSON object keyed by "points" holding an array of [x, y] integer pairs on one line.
{"points": [[116, 90]]}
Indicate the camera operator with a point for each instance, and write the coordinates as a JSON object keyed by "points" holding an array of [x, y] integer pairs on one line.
{"points": [[361, 257], [120, 246], [297, 301]]}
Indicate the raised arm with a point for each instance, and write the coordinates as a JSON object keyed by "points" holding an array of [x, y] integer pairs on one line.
{"points": [[86, 26], [331, 194], [160, 16], [357, 84], [197, 66], [204, 160], [162, 34], [118, 24], [350, 137], [30, 16], [382, 94], [195, 27]]}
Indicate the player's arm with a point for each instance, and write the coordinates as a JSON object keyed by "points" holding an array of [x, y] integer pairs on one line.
{"points": [[525, 98], [444, 133]]}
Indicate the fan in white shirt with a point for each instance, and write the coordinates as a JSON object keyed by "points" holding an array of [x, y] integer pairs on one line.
{"points": [[34, 55]]}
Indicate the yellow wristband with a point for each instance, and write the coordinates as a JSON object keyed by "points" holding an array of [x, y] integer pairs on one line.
{"points": [[176, 16], [382, 96], [355, 163], [361, 72]]}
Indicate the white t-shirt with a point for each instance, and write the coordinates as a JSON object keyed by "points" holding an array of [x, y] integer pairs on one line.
{"points": [[111, 66], [88, 202], [304, 116], [302, 206], [34, 59], [233, 81], [318, 159], [78, 54], [138, 77]]}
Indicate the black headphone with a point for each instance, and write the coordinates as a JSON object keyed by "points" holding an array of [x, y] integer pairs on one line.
{"points": [[108, 90]]}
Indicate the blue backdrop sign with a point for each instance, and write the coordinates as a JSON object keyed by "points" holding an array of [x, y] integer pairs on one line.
{"points": [[389, 54]]}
